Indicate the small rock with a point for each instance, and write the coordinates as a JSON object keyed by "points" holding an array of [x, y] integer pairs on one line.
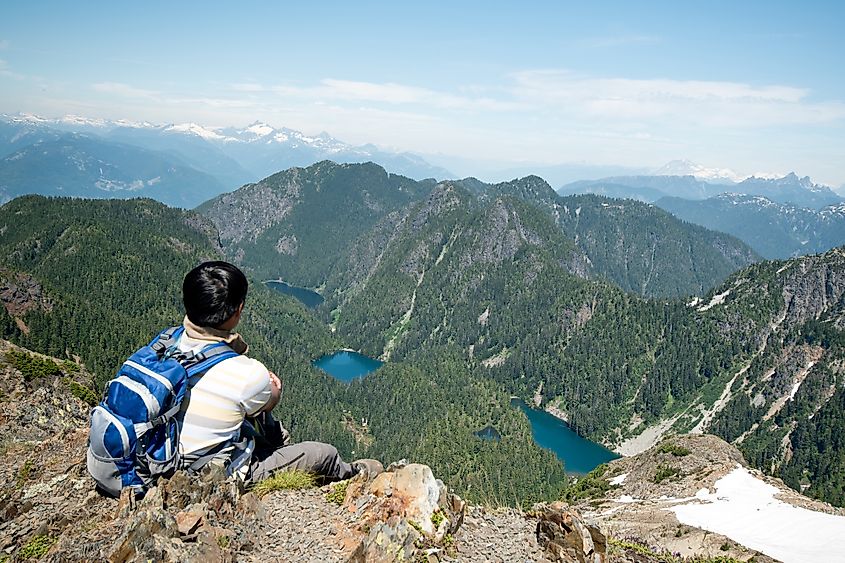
{"points": [[566, 537], [188, 522]]}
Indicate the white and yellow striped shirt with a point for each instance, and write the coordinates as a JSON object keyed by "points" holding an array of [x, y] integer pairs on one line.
{"points": [[217, 404]]}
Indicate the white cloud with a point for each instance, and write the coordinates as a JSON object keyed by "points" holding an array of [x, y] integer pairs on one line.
{"points": [[391, 93], [4, 71], [125, 90], [703, 103]]}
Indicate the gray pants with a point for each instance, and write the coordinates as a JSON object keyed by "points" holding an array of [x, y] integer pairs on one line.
{"points": [[314, 457]]}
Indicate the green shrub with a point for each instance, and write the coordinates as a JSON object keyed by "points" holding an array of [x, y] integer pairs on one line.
{"points": [[24, 473], [285, 480], [674, 449], [37, 547], [338, 493], [81, 392], [640, 550], [592, 485], [32, 367], [666, 472]]}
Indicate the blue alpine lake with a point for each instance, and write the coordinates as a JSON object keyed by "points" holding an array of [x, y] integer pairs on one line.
{"points": [[347, 365], [306, 296], [579, 455]]}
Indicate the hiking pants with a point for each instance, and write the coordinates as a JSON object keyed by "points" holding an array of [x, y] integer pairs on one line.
{"points": [[274, 452]]}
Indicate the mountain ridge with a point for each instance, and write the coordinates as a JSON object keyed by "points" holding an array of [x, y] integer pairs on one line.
{"points": [[775, 230]]}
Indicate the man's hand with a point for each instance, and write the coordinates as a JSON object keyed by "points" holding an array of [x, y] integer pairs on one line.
{"points": [[275, 392]]}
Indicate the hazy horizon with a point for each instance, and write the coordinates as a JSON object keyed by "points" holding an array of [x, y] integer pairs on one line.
{"points": [[750, 87]]}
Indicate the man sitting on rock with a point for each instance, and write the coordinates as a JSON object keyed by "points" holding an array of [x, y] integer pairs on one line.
{"points": [[227, 416]]}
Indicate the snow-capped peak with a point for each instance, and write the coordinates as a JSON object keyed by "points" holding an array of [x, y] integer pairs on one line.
{"points": [[260, 129], [194, 129], [82, 121], [688, 168]]}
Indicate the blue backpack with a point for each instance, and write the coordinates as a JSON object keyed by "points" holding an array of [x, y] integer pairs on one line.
{"points": [[134, 430]]}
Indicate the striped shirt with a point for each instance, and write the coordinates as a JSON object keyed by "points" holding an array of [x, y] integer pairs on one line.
{"points": [[218, 403]]}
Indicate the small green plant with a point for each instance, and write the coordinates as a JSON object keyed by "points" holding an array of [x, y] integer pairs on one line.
{"points": [[666, 472], [417, 527], [81, 392], [25, 472], [437, 518], [37, 547], [591, 486], [338, 492], [285, 480], [674, 449], [637, 547], [32, 367], [223, 541], [725, 546], [70, 367]]}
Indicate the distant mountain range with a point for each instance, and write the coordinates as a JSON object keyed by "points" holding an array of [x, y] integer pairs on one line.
{"points": [[178, 164], [713, 175], [789, 189]]}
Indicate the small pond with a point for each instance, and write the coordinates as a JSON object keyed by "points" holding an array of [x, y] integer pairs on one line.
{"points": [[488, 433], [347, 365]]}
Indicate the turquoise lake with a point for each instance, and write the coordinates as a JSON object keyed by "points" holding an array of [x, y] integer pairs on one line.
{"points": [[307, 297], [579, 455], [346, 365]]}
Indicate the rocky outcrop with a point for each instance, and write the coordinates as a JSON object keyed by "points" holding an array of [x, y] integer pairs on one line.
{"points": [[566, 537], [20, 293], [643, 495], [270, 201]]}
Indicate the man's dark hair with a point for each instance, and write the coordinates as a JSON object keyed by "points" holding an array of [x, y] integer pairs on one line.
{"points": [[212, 293]]}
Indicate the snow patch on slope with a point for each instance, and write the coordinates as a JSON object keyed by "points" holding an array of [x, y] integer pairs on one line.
{"points": [[717, 300], [745, 509]]}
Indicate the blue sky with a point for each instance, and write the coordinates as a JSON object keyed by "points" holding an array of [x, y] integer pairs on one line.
{"points": [[753, 86]]}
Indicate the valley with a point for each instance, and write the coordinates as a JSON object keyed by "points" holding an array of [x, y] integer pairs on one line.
{"points": [[472, 294]]}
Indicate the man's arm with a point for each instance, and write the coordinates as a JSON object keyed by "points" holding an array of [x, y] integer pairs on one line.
{"points": [[275, 393]]}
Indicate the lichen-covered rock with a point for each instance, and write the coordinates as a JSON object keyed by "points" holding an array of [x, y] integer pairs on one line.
{"points": [[566, 537], [400, 506]]}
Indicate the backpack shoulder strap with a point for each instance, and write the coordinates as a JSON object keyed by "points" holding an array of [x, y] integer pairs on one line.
{"points": [[167, 338], [208, 357]]}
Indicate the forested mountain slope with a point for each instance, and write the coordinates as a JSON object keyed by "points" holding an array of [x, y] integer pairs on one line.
{"points": [[645, 250], [297, 223], [301, 223], [774, 230], [95, 279], [617, 365], [495, 279]]}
